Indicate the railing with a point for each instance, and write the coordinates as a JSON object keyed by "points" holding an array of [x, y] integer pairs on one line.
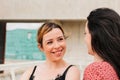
{"points": [[12, 67]]}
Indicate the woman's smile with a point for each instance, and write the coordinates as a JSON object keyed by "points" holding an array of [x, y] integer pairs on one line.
{"points": [[58, 52]]}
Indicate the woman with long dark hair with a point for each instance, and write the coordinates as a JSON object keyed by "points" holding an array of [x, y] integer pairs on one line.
{"points": [[102, 36]]}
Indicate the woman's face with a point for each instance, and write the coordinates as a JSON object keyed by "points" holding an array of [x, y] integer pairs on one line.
{"points": [[88, 40], [54, 44]]}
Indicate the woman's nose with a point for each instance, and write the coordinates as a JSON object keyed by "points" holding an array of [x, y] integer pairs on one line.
{"points": [[56, 45]]}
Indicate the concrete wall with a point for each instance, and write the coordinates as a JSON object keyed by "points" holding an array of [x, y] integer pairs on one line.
{"points": [[51, 9], [76, 47]]}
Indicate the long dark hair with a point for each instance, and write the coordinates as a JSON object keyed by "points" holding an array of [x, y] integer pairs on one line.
{"points": [[104, 27]]}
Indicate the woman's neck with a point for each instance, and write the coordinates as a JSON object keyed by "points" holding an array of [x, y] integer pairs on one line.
{"points": [[55, 64], [97, 58]]}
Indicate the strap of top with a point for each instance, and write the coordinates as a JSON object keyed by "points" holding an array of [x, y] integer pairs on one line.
{"points": [[64, 74], [31, 77], [62, 77]]}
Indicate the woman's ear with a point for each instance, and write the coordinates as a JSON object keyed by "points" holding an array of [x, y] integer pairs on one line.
{"points": [[40, 47]]}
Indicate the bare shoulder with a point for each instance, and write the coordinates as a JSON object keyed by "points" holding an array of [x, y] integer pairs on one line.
{"points": [[73, 73], [27, 73], [74, 69]]}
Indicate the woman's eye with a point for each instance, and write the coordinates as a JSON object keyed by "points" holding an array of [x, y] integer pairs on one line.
{"points": [[60, 39], [49, 42]]}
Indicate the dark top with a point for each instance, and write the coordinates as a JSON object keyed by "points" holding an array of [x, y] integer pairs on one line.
{"points": [[59, 77]]}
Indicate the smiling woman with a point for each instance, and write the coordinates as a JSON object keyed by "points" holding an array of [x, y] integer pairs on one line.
{"points": [[52, 42]]}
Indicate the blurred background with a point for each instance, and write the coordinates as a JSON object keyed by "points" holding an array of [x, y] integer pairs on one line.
{"points": [[20, 19]]}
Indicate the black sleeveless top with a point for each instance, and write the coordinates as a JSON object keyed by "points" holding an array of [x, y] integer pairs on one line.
{"points": [[59, 77]]}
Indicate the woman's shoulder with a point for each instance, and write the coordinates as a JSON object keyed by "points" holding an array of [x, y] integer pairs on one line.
{"points": [[100, 70], [74, 68], [99, 65], [73, 73]]}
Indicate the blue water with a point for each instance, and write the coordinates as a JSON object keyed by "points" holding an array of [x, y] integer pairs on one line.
{"points": [[21, 44]]}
